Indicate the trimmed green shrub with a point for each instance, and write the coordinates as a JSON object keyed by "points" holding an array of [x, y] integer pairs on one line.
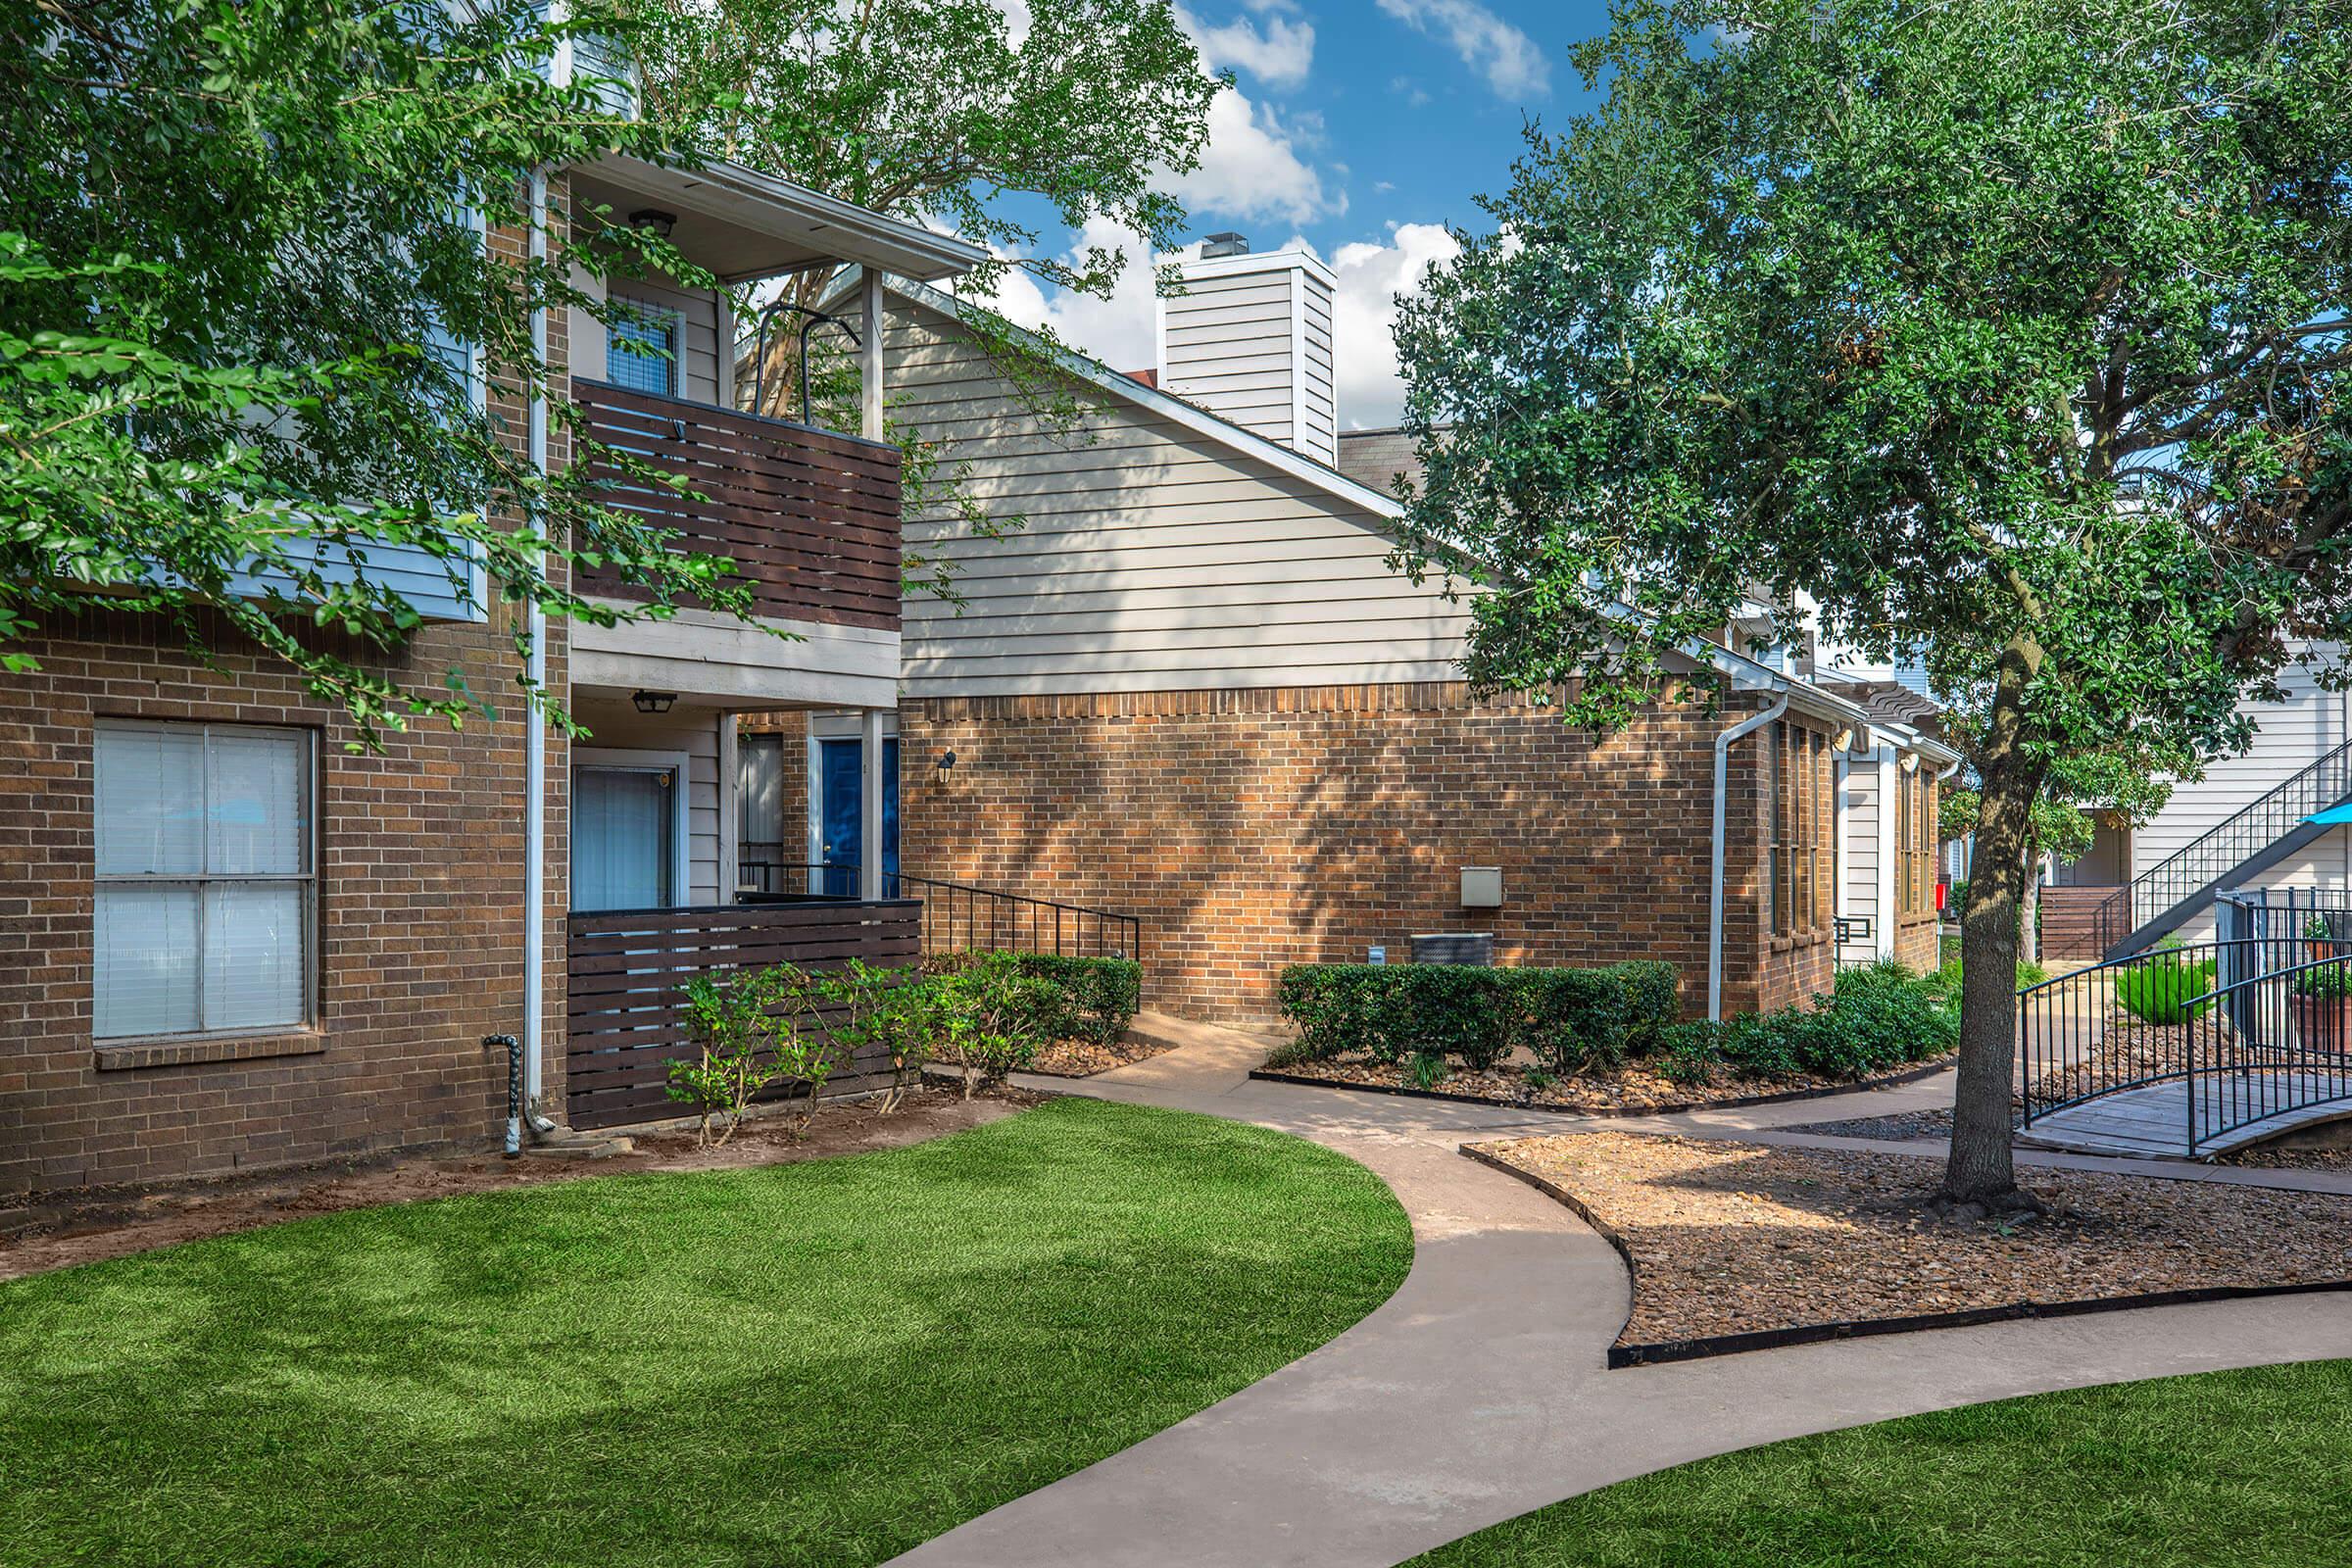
{"points": [[1873, 1018], [1570, 1021], [1099, 996], [2162, 990], [2324, 980]]}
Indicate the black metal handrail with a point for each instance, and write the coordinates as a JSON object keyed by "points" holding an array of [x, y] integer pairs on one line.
{"points": [[2256, 1026], [960, 915], [2214, 853]]}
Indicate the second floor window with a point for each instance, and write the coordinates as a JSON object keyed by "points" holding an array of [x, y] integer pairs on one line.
{"points": [[642, 352]]}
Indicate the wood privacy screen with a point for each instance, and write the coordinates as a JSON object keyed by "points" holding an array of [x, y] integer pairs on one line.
{"points": [[810, 517], [625, 968]]}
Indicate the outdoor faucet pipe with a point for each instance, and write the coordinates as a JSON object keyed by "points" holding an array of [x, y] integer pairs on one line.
{"points": [[1723, 759], [514, 1047]]}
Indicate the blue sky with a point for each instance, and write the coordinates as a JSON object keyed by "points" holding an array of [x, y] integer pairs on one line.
{"points": [[1363, 127]]}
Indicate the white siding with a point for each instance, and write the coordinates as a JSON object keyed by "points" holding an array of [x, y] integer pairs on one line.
{"points": [[2293, 735], [1250, 341], [1858, 854], [1152, 559]]}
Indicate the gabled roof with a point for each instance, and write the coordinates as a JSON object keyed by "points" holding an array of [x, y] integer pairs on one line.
{"points": [[1744, 673]]}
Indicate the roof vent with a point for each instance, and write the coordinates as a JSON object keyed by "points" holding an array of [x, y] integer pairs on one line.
{"points": [[1226, 244]]}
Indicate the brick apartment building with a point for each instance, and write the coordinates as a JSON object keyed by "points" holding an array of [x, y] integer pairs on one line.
{"points": [[226, 942], [1190, 689]]}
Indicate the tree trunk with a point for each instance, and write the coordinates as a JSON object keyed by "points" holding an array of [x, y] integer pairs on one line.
{"points": [[1980, 1173]]}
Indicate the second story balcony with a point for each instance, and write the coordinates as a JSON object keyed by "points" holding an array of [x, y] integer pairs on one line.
{"points": [[809, 516]]}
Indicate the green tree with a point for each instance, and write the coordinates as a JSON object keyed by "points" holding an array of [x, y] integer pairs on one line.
{"points": [[2010, 332], [2063, 821], [231, 236]]}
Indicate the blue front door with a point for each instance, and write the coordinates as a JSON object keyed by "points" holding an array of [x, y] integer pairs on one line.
{"points": [[842, 815]]}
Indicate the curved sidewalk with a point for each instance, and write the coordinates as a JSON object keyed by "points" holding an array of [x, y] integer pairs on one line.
{"points": [[1477, 1392]]}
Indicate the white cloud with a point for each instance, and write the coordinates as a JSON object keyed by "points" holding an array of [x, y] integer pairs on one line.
{"points": [[1252, 168], [1364, 317], [1280, 54], [1510, 61], [1121, 331]]}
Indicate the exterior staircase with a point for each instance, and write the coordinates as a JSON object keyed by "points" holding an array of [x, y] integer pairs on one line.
{"points": [[2267, 831]]}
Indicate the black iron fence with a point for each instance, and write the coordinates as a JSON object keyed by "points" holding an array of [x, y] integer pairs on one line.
{"points": [[2256, 1023], [958, 916]]}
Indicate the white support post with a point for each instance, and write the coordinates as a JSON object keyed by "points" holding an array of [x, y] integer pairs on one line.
{"points": [[869, 847], [730, 813], [870, 356]]}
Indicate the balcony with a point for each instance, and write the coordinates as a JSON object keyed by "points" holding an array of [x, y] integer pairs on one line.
{"points": [[811, 519]]}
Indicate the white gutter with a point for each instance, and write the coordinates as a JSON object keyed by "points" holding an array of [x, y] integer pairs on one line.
{"points": [[534, 733], [1723, 758]]}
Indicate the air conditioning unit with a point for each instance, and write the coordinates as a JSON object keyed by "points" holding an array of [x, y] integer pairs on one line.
{"points": [[1473, 947]]}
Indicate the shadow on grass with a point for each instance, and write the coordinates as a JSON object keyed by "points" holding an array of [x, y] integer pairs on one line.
{"points": [[818, 1363]]}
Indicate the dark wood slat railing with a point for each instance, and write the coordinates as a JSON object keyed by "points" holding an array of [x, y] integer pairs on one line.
{"points": [[810, 517], [625, 970]]}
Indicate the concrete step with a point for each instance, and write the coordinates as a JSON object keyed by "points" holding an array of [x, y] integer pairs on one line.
{"points": [[565, 1143]]}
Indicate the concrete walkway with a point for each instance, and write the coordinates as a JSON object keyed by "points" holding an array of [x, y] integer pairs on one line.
{"points": [[1477, 1393]]}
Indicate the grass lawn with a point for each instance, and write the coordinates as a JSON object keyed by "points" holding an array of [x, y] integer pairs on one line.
{"points": [[2249, 1467], [815, 1363]]}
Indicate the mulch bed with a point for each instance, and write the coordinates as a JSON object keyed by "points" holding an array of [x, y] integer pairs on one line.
{"points": [[1633, 1091], [97, 1223], [1077, 1058], [1729, 1238]]}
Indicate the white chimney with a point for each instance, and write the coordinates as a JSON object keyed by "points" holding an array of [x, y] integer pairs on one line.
{"points": [[1250, 340]]}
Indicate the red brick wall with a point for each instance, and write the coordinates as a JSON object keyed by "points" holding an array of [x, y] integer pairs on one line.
{"points": [[419, 932], [1253, 830]]}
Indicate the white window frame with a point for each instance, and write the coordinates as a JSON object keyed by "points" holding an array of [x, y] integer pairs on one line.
{"points": [[681, 820], [307, 878]]}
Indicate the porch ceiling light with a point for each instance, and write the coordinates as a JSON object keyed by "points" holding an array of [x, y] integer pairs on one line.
{"points": [[655, 218], [653, 702]]}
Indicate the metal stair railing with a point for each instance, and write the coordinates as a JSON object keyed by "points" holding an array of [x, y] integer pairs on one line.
{"points": [[956, 916], [2209, 858]]}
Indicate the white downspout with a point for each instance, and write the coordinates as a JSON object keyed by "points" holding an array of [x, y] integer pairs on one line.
{"points": [[534, 736], [1722, 757]]}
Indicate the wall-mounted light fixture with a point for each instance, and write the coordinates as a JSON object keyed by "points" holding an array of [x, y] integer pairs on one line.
{"points": [[947, 759], [653, 702], [1910, 762], [653, 219], [1846, 738]]}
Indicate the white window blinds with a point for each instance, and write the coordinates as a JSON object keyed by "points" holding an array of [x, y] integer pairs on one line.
{"points": [[206, 878]]}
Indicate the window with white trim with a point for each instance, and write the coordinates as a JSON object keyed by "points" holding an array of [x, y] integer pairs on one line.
{"points": [[206, 879]]}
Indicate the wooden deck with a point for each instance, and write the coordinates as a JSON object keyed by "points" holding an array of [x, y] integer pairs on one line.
{"points": [[2153, 1122]]}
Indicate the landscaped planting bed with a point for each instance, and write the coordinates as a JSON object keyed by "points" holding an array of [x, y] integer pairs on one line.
{"points": [[1727, 1237], [1604, 1041], [1085, 1032], [816, 1364]]}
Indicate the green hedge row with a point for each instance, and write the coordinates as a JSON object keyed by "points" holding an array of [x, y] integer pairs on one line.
{"points": [[1873, 1018], [1099, 996], [1570, 1021]]}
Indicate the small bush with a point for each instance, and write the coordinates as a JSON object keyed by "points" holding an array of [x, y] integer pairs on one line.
{"points": [[1570, 1021], [1873, 1019], [1099, 996], [758, 1027], [2164, 990], [2327, 980], [994, 1017]]}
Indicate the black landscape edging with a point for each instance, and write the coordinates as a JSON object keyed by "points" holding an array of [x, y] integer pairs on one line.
{"points": [[1713, 1344], [1912, 1075]]}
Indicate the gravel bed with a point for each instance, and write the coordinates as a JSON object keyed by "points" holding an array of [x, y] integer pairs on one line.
{"points": [[1631, 1090], [1735, 1238], [1901, 1126]]}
